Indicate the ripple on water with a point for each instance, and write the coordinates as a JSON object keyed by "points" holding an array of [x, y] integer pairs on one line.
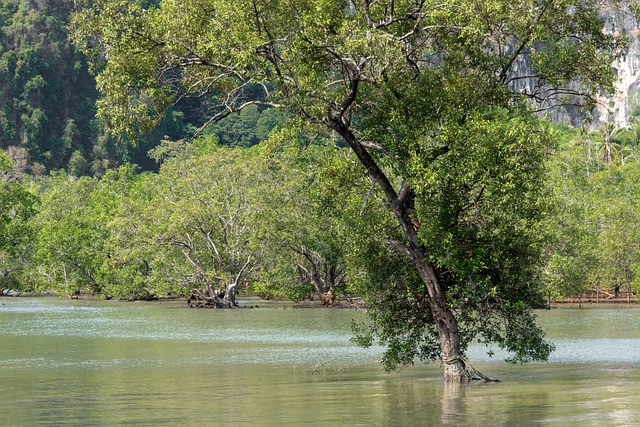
{"points": [[264, 342]]}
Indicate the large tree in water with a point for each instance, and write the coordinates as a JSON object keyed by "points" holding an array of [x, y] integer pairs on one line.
{"points": [[431, 97]]}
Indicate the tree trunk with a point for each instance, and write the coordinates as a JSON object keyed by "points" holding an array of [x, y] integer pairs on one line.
{"points": [[456, 366], [211, 298], [446, 324], [230, 297], [327, 298], [325, 275]]}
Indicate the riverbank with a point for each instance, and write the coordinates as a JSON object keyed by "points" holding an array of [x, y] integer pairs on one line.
{"points": [[254, 301], [592, 302], [245, 302]]}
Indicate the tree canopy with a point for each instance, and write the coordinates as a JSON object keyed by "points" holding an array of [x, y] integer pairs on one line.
{"points": [[431, 99]]}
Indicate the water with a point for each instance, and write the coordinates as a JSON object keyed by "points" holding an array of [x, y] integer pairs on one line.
{"points": [[87, 363]]}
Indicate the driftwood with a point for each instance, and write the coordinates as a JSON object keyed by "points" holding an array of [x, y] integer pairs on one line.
{"points": [[199, 299], [327, 298], [353, 302], [210, 298], [6, 292]]}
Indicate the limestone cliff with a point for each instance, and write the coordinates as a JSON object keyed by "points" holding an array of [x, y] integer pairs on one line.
{"points": [[617, 107], [564, 106]]}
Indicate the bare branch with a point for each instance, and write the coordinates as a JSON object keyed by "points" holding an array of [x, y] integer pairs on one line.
{"points": [[244, 267], [376, 147], [230, 110], [400, 248]]}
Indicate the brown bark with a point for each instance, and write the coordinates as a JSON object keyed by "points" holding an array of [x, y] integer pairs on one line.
{"points": [[446, 323], [327, 298]]}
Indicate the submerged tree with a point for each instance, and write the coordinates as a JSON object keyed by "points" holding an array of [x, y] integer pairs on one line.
{"points": [[429, 97]]}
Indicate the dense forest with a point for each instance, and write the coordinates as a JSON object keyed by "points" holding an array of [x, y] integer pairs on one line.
{"points": [[48, 106], [125, 176], [134, 234]]}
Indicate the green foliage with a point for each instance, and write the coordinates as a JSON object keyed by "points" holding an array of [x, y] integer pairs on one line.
{"points": [[132, 269], [74, 229], [480, 220], [197, 224], [318, 189], [48, 103], [249, 127], [5, 162], [594, 242], [616, 218], [47, 93], [69, 239], [426, 95], [211, 216], [18, 205]]}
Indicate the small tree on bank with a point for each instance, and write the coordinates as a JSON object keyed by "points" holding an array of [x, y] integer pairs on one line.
{"points": [[318, 185], [428, 97]]}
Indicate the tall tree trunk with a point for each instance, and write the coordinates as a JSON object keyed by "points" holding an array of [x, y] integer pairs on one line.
{"points": [[456, 367], [230, 297], [454, 362]]}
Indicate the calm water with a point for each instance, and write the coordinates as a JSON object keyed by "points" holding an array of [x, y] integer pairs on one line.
{"points": [[85, 363]]}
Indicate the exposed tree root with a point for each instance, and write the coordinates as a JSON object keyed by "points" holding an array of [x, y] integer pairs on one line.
{"points": [[468, 371]]}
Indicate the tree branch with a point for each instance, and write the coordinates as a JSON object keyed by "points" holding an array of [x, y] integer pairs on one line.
{"points": [[399, 247]]}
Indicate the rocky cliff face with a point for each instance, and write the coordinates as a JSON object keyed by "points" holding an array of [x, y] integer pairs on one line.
{"points": [[618, 106], [564, 107]]}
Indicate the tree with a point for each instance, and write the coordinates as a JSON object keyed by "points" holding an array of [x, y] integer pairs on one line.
{"points": [[205, 209], [615, 190], [135, 267], [428, 97], [319, 186], [593, 238], [249, 127], [17, 206], [84, 236], [569, 260], [70, 238], [48, 96]]}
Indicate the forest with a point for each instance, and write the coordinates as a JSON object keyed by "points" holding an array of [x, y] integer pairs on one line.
{"points": [[272, 217], [136, 167]]}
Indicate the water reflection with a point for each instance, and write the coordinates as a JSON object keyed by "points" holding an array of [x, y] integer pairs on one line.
{"points": [[452, 402]]}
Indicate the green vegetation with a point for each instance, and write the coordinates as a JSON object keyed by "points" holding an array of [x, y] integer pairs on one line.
{"points": [[424, 95], [48, 104], [313, 147], [594, 237]]}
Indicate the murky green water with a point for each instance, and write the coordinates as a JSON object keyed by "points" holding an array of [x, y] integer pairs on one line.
{"points": [[85, 363]]}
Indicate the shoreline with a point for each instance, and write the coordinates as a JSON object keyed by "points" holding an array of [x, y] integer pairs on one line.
{"points": [[592, 302], [573, 302]]}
